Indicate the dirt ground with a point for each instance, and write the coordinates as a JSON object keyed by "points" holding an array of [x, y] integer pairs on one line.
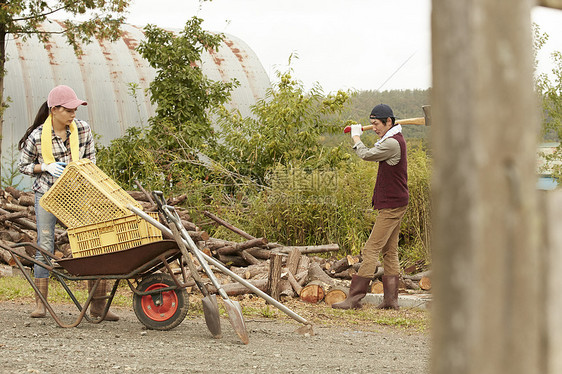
{"points": [[39, 346]]}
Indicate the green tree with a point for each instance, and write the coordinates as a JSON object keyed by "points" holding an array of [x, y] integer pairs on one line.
{"points": [[22, 19], [287, 126], [172, 149]]}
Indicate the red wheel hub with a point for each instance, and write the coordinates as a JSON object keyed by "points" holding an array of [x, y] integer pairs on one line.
{"points": [[161, 312]]}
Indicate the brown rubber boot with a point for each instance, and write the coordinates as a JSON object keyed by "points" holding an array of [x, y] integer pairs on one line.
{"points": [[357, 291], [43, 286], [390, 287], [98, 302]]}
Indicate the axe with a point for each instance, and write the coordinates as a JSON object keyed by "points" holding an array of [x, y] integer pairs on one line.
{"points": [[424, 121]]}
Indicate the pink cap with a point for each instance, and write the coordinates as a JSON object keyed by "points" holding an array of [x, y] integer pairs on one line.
{"points": [[64, 96]]}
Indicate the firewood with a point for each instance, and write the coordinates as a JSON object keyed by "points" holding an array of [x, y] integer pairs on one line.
{"points": [[13, 191], [252, 271], [177, 199], [228, 225], [294, 283], [377, 287], [13, 216], [315, 272], [293, 261], [24, 222], [304, 264], [214, 244], [262, 254], [140, 195], [249, 258], [198, 235], [275, 265], [417, 277], [313, 292], [26, 200], [237, 247], [232, 260], [425, 283], [285, 287], [346, 274], [411, 285], [236, 289], [336, 294], [309, 249]]}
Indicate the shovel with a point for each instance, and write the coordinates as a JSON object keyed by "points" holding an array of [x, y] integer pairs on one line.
{"points": [[210, 306], [232, 307]]}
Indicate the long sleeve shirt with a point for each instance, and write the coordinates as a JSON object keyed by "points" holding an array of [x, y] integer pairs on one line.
{"points": [[31, 153]]}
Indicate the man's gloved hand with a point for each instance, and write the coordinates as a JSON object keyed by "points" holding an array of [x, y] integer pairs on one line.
{"points": [[356, 130], [55, 169]]}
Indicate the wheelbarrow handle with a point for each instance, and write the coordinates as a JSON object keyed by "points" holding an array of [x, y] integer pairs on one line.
{"points": [[223, 268]]}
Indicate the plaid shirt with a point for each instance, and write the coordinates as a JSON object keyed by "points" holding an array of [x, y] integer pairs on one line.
{"points": [[31, 153]]}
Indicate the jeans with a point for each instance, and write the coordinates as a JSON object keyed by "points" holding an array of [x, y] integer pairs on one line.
{"points": [[383, 239], [45, 235]]}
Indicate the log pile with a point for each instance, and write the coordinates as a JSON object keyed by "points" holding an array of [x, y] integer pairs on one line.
{"points": [[280, 270]]}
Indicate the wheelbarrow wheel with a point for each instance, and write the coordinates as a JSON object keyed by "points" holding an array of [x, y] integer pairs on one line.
{"points": [[160, 311]]}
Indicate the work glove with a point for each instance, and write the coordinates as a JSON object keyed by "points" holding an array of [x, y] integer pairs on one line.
{"points": [[356, 130], [55, 168]]}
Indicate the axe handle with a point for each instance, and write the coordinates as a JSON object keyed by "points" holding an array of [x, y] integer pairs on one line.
{"points": [[407, 121]]}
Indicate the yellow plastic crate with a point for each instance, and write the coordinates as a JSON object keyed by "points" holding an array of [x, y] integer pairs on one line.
{"points": [[84, 195], [113, 235]]}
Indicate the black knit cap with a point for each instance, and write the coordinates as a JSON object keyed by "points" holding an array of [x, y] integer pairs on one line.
{"points": [[381, 111]]}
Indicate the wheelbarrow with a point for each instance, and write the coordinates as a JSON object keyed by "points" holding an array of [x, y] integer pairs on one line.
{"points": [[160, 299]]}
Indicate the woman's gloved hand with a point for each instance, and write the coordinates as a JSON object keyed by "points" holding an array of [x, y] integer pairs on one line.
{"points": [[55, 168]]}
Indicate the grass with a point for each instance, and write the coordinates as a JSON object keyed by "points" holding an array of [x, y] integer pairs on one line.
{"points": [[369, 318]]}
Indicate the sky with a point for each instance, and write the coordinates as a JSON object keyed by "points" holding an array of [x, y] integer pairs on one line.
{"points": [[339, 44]]}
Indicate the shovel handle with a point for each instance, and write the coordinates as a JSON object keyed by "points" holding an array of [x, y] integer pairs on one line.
{"points": [[223, 268], [173, 218]]}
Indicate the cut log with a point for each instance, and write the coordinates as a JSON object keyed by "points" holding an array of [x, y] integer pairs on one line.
{"points": [[315, 272], [275, 267], [425, 283], [27, 200], [23, 222], [309, 249], [13, 191], [198, 235], [235, 289], [336, 294], [411, 285], [238, 247], [262, 254], [233, 260], [294, 283], [13, 216], [377, 287], [249, 258], [417, 277], [293, 261], [313, 292]]}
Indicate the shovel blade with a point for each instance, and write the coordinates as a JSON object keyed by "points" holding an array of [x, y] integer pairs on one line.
{"points": [[236, 319], [212, 317]]}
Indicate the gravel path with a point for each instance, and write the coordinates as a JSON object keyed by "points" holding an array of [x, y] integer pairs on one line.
{"points": [[39, 346]]}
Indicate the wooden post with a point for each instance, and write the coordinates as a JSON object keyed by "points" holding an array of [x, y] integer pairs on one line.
{"points": [[486, 223], [553, 235]]}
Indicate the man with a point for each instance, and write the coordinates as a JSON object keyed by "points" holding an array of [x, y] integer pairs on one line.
{"points": [[390, 198]]}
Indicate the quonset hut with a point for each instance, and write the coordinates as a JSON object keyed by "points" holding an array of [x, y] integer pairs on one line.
{"points": [[103, 76]]}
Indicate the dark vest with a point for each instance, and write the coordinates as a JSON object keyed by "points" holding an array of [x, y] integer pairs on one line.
{"points": [[391, 187]]}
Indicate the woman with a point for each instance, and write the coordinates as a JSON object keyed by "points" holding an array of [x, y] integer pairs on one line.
{"points": [[54, 139]]}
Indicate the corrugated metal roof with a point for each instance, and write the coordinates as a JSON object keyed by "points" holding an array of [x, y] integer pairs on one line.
{"points": [[102, 76]]}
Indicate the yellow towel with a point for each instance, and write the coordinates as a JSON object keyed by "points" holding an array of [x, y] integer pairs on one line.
{"points": [[47, 142]]}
